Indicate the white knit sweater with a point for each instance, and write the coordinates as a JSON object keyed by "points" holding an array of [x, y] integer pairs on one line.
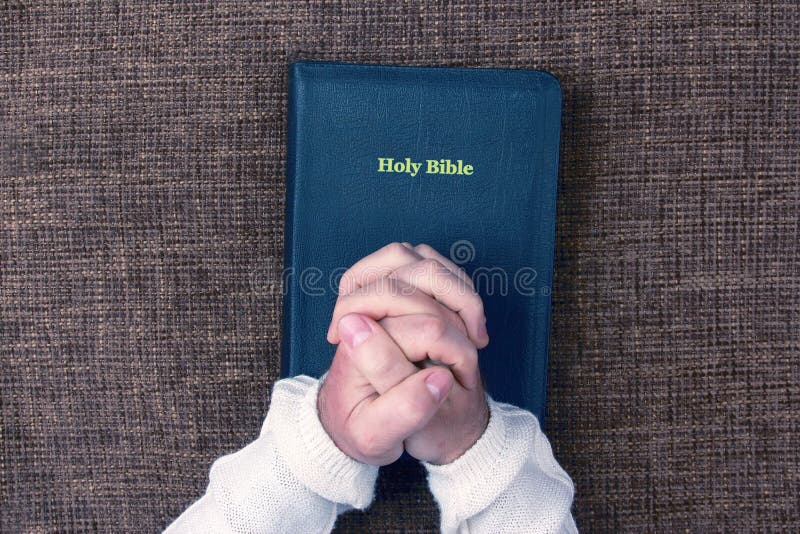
{"points": [[293, 478]]}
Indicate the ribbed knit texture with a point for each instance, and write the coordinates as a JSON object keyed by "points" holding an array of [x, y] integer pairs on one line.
{"points": [[293, 478], [310, 452], [508, 481]]}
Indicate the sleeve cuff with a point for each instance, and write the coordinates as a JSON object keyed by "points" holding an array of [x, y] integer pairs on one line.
{"points": [[474, 480], [310, 453]]}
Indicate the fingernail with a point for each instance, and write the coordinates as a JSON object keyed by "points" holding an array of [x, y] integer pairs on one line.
{"points": [[354, 329], [436, 384]]}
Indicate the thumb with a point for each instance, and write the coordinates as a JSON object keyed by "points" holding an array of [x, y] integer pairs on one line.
{"points": [[407, 407]]}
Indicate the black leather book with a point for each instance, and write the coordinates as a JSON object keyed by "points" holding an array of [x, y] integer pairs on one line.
{"points": [[463, 159]]}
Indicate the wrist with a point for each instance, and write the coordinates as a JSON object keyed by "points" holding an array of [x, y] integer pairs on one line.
{"points": [[308, 449], [473, 480], [512, 453], [473, 429]]}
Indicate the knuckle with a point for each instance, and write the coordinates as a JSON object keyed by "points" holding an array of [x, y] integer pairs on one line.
{"points": [[432, 328], [395, 247], [379, 362], [368, 442], [424, 248]]}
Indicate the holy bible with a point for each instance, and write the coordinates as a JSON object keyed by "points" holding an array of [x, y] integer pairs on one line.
{"points": [[463, 159]]}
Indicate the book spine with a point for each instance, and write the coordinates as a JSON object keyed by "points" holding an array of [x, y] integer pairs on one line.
{"points": [[551, 129], [288, 282]]}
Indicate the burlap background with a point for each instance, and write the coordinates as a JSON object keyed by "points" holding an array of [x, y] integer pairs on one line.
{"points": [[142, 207]]}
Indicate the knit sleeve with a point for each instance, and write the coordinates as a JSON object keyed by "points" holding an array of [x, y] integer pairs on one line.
{"points": [[508, 481], [293, 478]]}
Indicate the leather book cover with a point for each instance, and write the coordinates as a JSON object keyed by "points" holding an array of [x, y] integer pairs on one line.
{"points": [[463, 159]]}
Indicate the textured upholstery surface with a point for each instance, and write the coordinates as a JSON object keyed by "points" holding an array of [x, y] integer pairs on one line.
{"points": [[141, 210]]}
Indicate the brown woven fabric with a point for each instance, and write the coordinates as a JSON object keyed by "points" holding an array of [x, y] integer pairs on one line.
{"points": [[142, 163]]}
